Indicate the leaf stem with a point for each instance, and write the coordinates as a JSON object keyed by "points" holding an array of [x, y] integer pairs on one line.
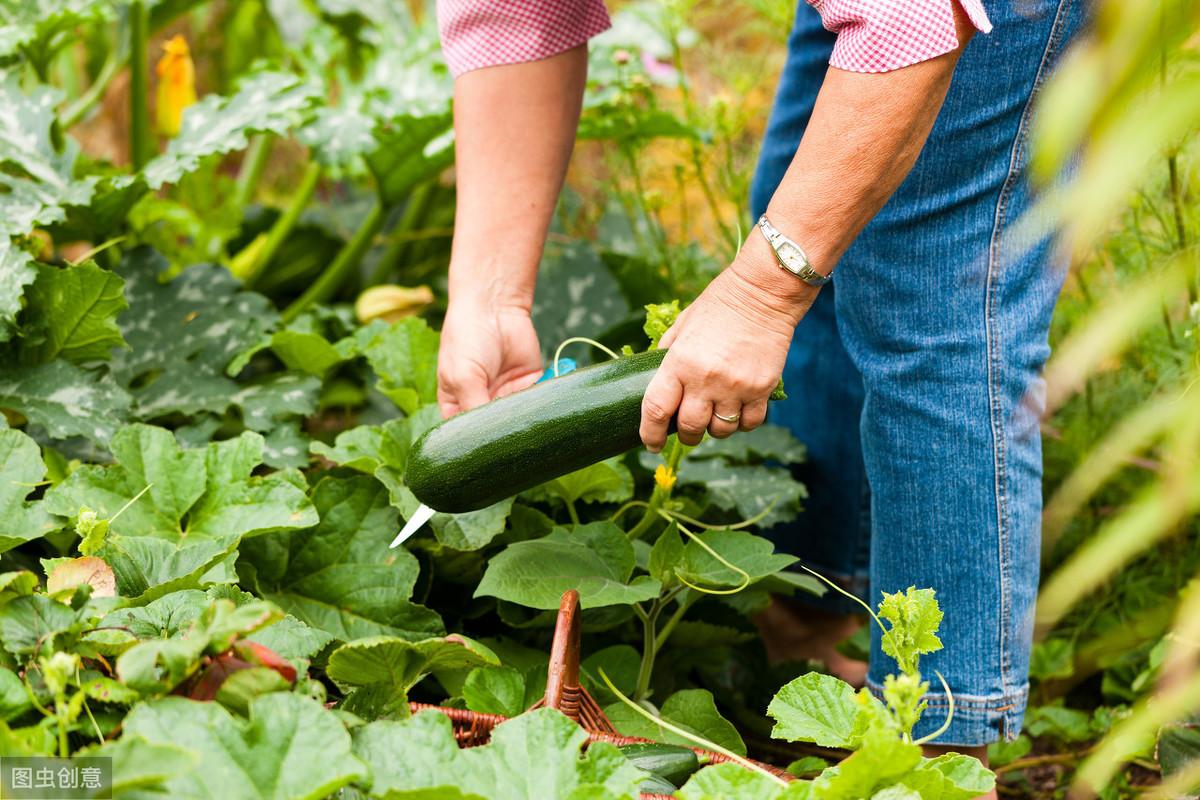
{"points": [[251, 171], [260, 256], [139, 84], [333, 276], [572, 512], [649, 650], [76, 111], [691, 737]]}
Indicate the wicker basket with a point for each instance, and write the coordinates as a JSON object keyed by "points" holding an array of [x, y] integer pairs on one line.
{"points": [[564, 692]]}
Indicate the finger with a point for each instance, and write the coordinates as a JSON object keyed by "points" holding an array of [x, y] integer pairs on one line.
{"points": [[659, 405], [458, 392], [518, 382], [719, 428], [693, 418], [753, 414]]}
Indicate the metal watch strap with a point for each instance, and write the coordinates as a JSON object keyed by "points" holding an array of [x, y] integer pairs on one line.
{"points": [[790, 255]]}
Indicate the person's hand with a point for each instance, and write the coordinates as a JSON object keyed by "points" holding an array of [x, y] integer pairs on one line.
{"points": [[488, 350], [726, 351]]}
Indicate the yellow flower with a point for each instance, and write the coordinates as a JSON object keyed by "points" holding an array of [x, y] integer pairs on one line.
{"points": [[176, 85], [664, 477]]}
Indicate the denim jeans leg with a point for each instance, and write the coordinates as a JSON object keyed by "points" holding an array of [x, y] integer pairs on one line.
{"points": [[947, 323], [832, 535]]}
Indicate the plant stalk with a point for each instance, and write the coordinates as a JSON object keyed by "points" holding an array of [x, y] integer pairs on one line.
{"points": [[649, 650], [283, 226], [658, 496], [139, 84], [333, 276], [76, 111], [252, 168]]}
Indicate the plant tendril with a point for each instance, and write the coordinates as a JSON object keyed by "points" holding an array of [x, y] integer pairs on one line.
{"points": [[580, 339]]}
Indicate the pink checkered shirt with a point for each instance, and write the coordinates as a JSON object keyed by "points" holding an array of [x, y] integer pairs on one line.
{"points": [[873, 35]]}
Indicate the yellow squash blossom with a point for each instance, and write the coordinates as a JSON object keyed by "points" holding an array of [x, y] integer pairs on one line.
{"points": [[664, 477], [176, 85]]}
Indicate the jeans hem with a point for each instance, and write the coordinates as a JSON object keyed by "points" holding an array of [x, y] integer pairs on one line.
{"points": [[978, 719]]}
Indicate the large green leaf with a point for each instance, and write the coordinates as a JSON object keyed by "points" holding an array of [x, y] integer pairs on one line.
{"points": [[16, 272], [754, 555], [470, 530], [817, 708], [727, 781], [694, 710], [29, 622], [606, 482], [37, 29], [74, 311], [381, 669], [882, 759], [533, 757], [764, 443], [21, 470], [272, 102], [748, 489], [368, 447], [595, 559], [950, 777], [65, 399], [183, 333], [139, 766], [576, 296], [290, 748], [404, 356], [199, 504], [340, 576]]}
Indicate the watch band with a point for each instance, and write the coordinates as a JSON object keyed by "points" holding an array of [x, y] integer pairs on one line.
{"points": [[790, 255]]}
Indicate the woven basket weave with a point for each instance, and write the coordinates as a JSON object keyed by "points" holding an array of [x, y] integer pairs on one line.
{"points": [[565, 693]]}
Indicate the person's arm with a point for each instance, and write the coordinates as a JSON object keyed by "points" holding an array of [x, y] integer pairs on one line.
{"points": [[727, 349], [515, 127]]}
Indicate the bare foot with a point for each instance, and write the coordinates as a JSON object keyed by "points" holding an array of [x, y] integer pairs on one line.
{"points": [[934, 750], [795, 632]]}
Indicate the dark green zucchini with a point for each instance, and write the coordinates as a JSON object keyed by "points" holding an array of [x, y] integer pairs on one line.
{"points": [[670, 762], [514, 443]]}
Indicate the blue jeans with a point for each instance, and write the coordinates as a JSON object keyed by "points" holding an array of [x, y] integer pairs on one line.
{"points": [[921, 362]]}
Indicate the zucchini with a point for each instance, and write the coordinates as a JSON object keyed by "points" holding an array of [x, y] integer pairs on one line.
{"points": [[514, 443], [670, 762], [653, 784]]}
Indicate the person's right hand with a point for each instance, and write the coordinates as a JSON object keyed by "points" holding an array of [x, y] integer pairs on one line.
{"points": [[487, 351]]}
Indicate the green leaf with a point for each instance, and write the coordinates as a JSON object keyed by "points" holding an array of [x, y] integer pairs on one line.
{"points": [[620, 663], [493, 690], [271, 102], [340, 576], [199, 505], [238, 690], [817, 708], [39, 29], [368, 447], [755, 555], [381, 669], [747, 490], [138, 765], [727, 781], [305, 351], [595, 559], [1178, 746], [666, 556], [471, 530], [14, 700], [882, 758], [21, 470], [691, 709], [159, 665], [914, 616], [287, 636], [606, 482], [17, 583], [575, 296], [404, 356], [30, 621], [534, 756], [182, 335], [950, 777], [764, 443], [659, 319], [290, 748], [16, 272], [75, 310], [165, 618], [1063, 724], [65, 399]]}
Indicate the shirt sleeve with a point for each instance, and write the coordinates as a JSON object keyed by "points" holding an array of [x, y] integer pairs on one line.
{"points": [[487, 33], [883, 35]]}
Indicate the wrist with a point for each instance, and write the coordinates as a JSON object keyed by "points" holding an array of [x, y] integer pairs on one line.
{"points": [[488, 286], [774, 289]]}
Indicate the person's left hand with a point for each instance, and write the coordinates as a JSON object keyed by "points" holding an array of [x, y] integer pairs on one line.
{"points": [[726, 350]]}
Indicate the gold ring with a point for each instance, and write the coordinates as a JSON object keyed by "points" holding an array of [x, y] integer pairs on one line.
{"points": [[731, 419]]}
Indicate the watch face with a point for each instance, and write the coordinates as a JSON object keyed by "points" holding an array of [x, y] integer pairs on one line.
{"points": [[791, 256]]}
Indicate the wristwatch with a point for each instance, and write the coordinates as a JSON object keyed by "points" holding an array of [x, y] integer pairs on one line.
{"points": [[791, 255]]}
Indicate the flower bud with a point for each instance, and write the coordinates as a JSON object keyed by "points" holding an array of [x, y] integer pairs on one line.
{"points": [[390, 303]]}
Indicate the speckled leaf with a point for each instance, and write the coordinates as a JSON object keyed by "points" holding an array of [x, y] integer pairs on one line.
{"points": [[290, 748], [38, 28], [576, 296], [199, 504], [595, 559], [341, 576], [764, 443], [65, 399], [747, 490], [16, 272], [21, 469], [75, 310], [268, 402], [183, 334], [536, 755], [265, 102], [404, 356]]}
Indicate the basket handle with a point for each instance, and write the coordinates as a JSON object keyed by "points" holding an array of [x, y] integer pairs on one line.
{"points": [[562, 680]]}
